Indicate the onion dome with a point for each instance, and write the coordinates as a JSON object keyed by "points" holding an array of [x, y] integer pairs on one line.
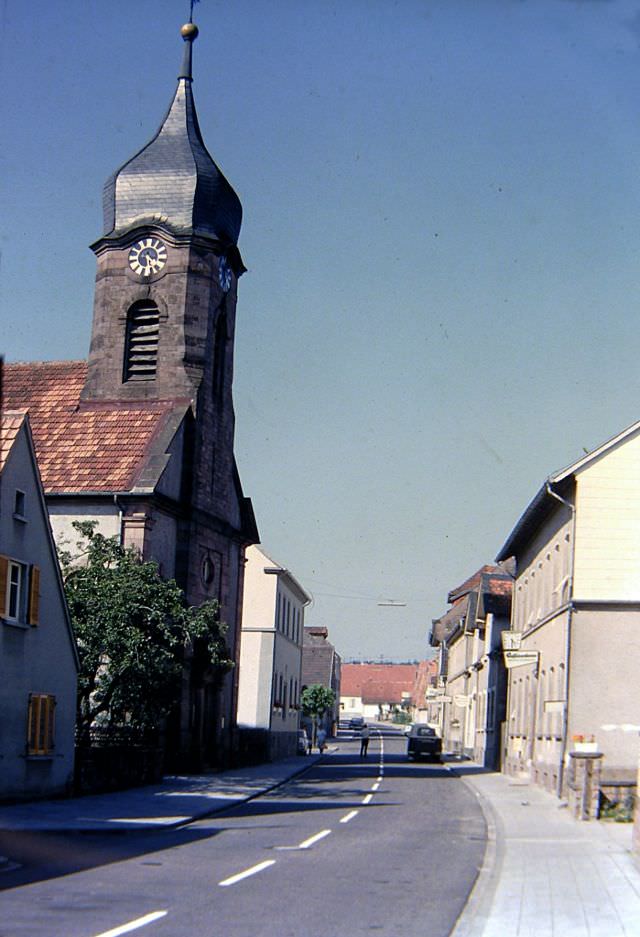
{"points": [[173, 181]]}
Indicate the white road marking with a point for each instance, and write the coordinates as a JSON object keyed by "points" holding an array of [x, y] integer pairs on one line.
{"points": [[380, 776], [374, 787], [133, 925], [349, 816], [367, 799], [314, 839], [247, 872]]}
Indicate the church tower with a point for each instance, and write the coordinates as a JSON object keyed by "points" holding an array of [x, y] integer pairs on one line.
{"points": [[140, 437], [167, 266], [163, 334]]}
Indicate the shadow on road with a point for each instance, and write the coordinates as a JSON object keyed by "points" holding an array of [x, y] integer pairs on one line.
{"points": [[45, 855]]}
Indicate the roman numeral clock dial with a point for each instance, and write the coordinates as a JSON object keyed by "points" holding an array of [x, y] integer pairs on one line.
{"points": [[147, 256]]}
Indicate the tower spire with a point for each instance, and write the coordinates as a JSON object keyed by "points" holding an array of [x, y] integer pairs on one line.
{"points": [[189, 33]]}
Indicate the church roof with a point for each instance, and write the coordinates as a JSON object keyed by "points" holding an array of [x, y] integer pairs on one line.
{"points": [[86, 447], [173, 182]]}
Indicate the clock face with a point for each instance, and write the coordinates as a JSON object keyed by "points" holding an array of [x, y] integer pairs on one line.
{"points": [[147, 256], [224, 274]]}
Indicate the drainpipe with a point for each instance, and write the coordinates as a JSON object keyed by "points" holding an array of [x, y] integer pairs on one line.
{"points": [[118, 504], [567, 656]]}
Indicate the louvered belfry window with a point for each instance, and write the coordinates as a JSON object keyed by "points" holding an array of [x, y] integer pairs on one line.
{"points": [[141, 351]]}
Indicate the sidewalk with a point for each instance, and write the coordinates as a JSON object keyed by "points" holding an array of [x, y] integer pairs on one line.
{"points": [[546, 874], [172, 803]]}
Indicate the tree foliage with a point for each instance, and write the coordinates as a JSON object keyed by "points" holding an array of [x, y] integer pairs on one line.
{"points": [[133, 630], [316, 700]]}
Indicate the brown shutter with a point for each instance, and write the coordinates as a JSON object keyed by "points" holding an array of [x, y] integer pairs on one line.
{"points": [[31, 724], [4, 569], [34, 596]]}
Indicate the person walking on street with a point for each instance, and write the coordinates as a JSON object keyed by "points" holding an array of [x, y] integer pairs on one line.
{"points": [[364, 740], [321, 738]]}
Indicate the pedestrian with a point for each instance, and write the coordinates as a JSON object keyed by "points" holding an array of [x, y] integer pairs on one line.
{"points": [[321, 737], [364, 740]]}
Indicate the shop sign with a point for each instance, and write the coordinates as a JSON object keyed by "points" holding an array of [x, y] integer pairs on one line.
{"points": [[520, 658]]}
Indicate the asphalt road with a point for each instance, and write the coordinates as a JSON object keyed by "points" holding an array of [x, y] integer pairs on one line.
{"points": [[349, 848]]}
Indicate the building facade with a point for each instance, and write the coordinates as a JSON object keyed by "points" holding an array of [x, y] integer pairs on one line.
{"points": [[575, 639], [271, 653], [468, 704], [38, 659], [140, 438], [321, 664]]}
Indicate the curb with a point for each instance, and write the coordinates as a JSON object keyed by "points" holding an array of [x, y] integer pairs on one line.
{"points": [[245, 800], [154, 830], [475, 914]]}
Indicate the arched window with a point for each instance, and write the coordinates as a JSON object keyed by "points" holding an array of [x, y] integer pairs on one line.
{"points": [[141, 344]]}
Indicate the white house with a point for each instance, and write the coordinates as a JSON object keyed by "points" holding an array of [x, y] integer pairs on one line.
{"points": [[271, 653], [38, 660], [576, 617]]}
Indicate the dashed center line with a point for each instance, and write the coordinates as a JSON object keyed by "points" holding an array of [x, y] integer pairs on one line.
{"points": [[314, 839], [367, 799], [349, 816], [238, 878], [133, 925], [374, 787]]}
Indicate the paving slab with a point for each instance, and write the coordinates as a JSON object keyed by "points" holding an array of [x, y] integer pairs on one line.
{"points": [[546, 874]]}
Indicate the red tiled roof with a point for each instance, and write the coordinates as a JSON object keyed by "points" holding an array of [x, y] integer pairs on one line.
{"points": [[473, 581], [82, 447], [378, 683], [10, 423], [426, 676], [499, 585]]}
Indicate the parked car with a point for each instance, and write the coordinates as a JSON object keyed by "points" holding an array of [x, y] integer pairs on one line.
{"points": [[356, 723], [423, 742], [303, 742]]}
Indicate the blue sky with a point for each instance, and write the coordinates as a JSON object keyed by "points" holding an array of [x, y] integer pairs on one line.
{"points": [[441, 225]]}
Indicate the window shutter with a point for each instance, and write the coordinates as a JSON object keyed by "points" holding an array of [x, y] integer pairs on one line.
{"points": [[4, 568], [34, 596], [32, 722], [51, 722]]}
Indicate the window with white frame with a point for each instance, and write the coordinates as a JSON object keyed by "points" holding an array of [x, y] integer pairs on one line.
{"points": [[19, 591]]}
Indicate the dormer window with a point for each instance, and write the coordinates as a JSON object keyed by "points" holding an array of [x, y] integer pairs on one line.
{"points": [[141, 344]]}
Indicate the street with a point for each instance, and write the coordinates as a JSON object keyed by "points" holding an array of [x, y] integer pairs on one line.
{"points": [[349, 847]]}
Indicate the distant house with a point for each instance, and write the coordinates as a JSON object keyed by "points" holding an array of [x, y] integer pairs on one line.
{"points": [[271, 653], [378, 691], [469, 703], [576, 617], [322, 664], [38, 659], [426, 680]]}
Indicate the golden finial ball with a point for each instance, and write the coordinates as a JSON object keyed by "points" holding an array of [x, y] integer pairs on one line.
{"points": [[189, 31]]}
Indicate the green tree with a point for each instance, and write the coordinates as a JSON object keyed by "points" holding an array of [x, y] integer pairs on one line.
{"points": [[316, 700], [133, 630]]}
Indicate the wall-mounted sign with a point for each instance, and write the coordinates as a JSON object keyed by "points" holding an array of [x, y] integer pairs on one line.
{"points": [[511, 640], [520, 658], [460, 700]]}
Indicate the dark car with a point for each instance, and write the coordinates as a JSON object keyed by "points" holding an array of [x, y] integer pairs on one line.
{"points": [[422, 742], [356, 723], [303, 742]]}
